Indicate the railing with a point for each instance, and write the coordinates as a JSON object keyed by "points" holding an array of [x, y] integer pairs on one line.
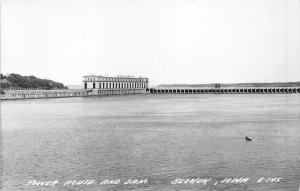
{"points": [[31, 94]]}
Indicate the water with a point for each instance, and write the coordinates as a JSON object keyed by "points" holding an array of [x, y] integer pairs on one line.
{"points": [[154, 137]]}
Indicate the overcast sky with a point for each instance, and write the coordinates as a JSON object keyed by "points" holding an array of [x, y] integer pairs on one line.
{"points": [[169, 41]]}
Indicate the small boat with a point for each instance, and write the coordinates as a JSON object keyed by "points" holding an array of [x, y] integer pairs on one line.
{"points": [[248, 138]]}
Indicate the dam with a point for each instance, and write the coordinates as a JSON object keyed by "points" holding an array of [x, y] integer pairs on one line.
{"points": [[97, 85], [227, 90], [36, 94], [39, 94]]}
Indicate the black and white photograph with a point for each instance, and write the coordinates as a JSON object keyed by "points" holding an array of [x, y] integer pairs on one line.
{"points": [[150, 95]]}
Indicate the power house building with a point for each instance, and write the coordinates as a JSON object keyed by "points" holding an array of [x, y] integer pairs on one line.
{"points": [[115, 85]]}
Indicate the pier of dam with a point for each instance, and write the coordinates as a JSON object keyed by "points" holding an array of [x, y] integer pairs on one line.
{"points": [[227, 90]]}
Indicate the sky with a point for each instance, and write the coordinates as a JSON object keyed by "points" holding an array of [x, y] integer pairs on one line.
{"points": [[168, 41]]}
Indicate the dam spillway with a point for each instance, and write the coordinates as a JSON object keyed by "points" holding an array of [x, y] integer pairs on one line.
{"points": [[229, 90]]}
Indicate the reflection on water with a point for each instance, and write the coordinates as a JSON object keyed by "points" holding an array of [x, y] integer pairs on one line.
{"points": [[154, 137]]}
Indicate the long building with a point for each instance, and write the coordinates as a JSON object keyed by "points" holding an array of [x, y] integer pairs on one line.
{"points": [[115, 85]]}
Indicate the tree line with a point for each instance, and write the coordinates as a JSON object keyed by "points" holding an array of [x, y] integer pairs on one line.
{"points": [[19, 82]]}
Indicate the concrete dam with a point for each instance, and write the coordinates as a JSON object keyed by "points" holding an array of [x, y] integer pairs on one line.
{"points": [[33, 94], [94, 85], [229, 90]]}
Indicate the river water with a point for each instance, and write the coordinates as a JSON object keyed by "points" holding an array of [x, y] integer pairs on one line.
{"points": [[153, 138]]}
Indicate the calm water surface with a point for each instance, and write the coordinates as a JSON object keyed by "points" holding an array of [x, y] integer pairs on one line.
{"points": [[154, 137]]}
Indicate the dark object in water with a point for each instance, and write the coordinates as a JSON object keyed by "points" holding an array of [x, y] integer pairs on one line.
{"points": [[248, 138]]}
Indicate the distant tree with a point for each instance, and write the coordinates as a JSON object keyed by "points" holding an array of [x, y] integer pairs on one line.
{"points": [[16, 81]]}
